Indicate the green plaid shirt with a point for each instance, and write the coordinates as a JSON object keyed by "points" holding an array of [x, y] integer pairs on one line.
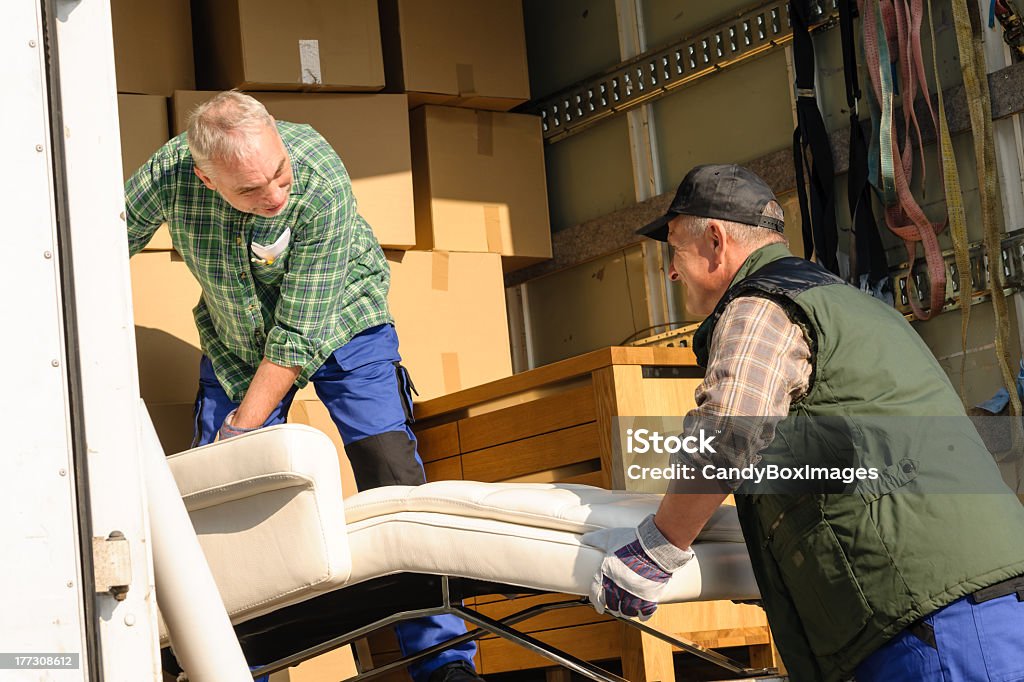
{"points": [[330, 283]]}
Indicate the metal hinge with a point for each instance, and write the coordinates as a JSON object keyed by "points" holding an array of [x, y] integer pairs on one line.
{"points": [[112, 565], [660, 71]]}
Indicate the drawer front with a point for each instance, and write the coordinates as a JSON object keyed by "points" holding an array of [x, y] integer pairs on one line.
{"points": [[437, 442], [534, 456], [543, 415], [448, 469]]}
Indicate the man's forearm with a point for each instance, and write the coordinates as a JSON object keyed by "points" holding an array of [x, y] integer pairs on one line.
{"points": [[268, 387], [683, 513]]}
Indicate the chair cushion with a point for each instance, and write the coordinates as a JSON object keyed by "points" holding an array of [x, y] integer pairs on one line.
{"points": [[556, 506]]}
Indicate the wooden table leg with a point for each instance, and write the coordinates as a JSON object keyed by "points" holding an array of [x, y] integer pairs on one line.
{"points": [[558, 674], [363, 655], [646, 658], [766, 656]]}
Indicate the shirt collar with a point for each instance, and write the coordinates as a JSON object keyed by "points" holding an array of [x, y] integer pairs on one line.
{"points": [[298, 182]]}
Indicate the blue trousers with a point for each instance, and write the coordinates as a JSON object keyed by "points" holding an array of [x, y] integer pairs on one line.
{"points": [[973, 643], [368, 396]]}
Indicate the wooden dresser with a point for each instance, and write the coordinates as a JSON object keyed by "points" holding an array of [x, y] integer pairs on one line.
{"points": [[555, 424]]}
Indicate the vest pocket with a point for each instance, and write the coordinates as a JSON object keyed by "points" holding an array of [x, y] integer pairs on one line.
{"points": [[818, 577]]}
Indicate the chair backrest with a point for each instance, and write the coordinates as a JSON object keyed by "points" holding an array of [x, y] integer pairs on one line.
{"points": [[267, 508]]}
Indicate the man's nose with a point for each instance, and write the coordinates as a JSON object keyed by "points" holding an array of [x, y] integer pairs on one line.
{"points": [[277, 195]]}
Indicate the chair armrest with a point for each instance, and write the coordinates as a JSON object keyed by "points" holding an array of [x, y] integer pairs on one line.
{"points": [[270, 459]]}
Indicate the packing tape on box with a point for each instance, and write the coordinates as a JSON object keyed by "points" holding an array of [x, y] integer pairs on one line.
{"points": [[485, 133], [465, 80], [309, 62], [439, 271], [450, 371], [492, 227]]}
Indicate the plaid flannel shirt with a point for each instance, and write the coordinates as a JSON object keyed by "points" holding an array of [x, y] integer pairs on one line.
{"points": [[330, 282], [758, 364]]}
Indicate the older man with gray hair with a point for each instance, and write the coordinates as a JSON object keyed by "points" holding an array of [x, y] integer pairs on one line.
{"points": [[294, 290], [901, 579]]}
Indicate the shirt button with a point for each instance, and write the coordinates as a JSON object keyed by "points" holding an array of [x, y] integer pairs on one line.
{"points": [[238, 241]]}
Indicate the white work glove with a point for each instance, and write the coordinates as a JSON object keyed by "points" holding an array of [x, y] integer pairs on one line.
{"points": [[228, 430], [635, 570]]}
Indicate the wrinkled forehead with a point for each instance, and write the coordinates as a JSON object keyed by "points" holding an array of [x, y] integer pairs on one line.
{"points": [[677, 228]]}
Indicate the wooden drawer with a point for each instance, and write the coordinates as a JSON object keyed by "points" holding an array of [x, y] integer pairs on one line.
{"points": [[544, 415], [437, 442], [448, 469], [521, 458]]}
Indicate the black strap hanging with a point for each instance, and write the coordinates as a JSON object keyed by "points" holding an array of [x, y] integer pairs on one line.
{"points": [[818, 212], [870, 254]]}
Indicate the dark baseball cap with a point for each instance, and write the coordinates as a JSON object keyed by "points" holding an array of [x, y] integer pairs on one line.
{"points": [[723, 191]]}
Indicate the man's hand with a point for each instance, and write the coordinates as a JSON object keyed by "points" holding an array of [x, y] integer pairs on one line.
{"points": [[635, 571], [228, 430], [268, 388]]}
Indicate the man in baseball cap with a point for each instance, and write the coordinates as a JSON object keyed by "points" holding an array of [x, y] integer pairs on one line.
{"points": [[889, 587], [720, 215]]}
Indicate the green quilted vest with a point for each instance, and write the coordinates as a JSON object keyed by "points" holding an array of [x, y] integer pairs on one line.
{"points": [[842, 573]]}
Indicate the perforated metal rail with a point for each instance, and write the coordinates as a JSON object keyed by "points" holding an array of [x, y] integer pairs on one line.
{"points": [[658, 72], [1012, 247]]}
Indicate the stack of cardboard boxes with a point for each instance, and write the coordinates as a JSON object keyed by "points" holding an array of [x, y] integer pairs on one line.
{"points": [[153, 58], [414, 98]]}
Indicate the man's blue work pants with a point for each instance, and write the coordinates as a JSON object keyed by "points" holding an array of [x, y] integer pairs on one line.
{"points": [[972, 643]]}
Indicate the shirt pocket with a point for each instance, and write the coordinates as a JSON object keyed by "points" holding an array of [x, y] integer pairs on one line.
{"points": [[270, 273], [269, 260]]}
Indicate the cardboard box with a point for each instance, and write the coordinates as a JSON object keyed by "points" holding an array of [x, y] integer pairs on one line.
{"points": [[370, 134], [175, 425], [303, 45], [163, 295], [335, 665], [144, 129], [595, 304], [314, 413], [152, 46], [456, 52], [449, 311], [478, 182]]}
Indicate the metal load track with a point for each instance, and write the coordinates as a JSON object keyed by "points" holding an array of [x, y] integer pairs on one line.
{"points": [[1012, 247], [658, 72]]}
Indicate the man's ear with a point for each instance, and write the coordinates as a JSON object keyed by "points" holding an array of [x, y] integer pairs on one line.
{"points": [[207, 180], [715, 235]]}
